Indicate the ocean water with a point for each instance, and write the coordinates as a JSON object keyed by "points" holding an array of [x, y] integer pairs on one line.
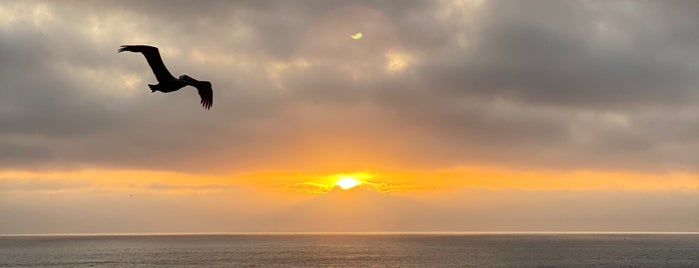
{"points": [[355, 250]]}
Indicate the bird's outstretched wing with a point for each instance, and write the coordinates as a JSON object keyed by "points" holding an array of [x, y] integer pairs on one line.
{"points": [[206, 94], [154, 60], [203, 87]]}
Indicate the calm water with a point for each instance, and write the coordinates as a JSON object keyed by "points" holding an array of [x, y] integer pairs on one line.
{"points": [[404, 250]]}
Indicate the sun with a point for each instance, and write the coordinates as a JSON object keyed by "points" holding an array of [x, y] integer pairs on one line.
{"points": [[347, 183]]}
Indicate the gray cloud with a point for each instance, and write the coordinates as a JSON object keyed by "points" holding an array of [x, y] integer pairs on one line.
{"points": [[573, 53], [573, 84]]}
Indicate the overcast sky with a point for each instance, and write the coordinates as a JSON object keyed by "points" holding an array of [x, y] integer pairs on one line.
{"points": [[607, 87]]}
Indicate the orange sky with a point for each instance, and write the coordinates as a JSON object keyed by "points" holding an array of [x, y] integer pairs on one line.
{"points": [[413, 182], [103, 201]]}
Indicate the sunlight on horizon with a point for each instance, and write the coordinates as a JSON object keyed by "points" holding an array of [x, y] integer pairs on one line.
{"points": [[347, 183], [406, 181]]}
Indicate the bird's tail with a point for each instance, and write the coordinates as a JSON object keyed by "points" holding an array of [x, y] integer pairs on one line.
{"points": [[153, 88]]}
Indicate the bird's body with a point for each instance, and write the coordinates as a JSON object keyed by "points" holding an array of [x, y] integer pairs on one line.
{"points": [[168, 86], [167, 82]]}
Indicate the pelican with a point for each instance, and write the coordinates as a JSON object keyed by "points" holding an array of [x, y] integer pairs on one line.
{"points": [[167, 82]]}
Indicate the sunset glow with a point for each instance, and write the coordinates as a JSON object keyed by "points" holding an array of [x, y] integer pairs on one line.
{"points": [[347, 183]]}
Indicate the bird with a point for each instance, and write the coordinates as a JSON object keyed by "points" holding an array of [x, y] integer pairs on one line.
{"points": [[167, 82]]}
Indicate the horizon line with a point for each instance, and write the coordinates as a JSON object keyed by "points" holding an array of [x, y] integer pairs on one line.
{"points": [[357, 233]]}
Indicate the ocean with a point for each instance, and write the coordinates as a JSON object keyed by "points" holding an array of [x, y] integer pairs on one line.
{"points": [[353, 250]]}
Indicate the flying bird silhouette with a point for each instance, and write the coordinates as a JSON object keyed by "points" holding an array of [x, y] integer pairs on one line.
{"points": [[167, 82]]}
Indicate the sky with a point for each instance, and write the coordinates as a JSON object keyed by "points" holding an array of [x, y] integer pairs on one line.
{"points": [[451, 115]]}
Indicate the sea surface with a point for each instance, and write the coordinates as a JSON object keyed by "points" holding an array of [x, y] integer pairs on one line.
{"points": [[353, 250]]}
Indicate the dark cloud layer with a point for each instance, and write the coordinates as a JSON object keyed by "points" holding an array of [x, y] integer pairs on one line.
{"points": [[566, 84]]}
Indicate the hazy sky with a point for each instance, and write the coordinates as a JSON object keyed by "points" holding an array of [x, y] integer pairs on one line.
{"points": [[454, 115]]}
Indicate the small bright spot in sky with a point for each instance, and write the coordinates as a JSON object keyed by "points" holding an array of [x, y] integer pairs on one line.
{"points": [[357, 36], [347, 183], [396, 61]]}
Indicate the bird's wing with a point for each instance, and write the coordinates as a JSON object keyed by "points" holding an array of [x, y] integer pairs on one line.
{"points": [[154, 60], [206, 93], [203, 87]]}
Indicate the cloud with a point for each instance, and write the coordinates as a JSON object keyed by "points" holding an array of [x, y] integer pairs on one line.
{"points": [[542, 84]]}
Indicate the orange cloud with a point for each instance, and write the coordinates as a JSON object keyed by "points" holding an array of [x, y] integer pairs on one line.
{"points": [[492, 178], [317, 183]]}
